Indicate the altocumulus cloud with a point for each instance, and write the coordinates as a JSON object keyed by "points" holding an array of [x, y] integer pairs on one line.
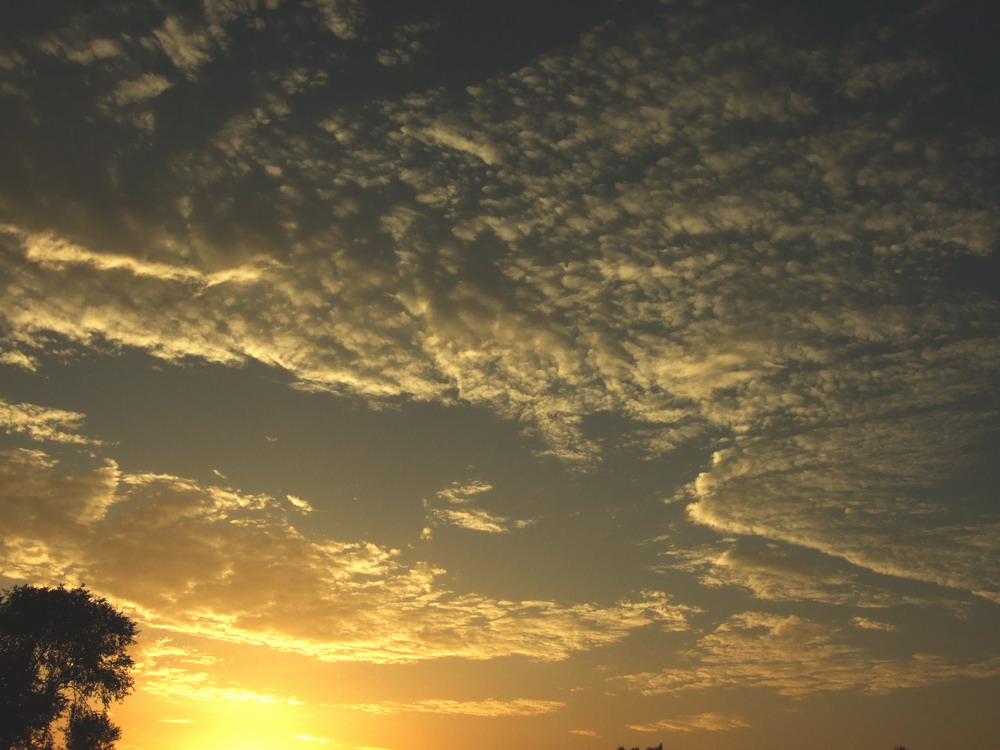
{"points": [[510, 274], [213, 561], [700, 224], [796, 657], [775, 571]]}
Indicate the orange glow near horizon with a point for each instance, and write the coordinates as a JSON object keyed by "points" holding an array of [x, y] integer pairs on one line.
{"points": [[217, 725]]}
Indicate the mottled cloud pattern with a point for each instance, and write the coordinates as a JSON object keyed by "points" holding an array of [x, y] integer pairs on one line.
{"points": [[715, 232], [799, 657]]}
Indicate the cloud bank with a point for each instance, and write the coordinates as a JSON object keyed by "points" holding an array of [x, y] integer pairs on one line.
{"points": [[796, 657], [216, 562], [701, 225]]}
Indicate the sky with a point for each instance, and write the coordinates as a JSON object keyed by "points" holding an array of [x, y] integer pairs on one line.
{"points": [[511, 374]]}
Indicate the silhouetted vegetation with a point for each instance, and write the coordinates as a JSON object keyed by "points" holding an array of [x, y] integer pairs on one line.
{"points": [[658, 747], [62, 652]]}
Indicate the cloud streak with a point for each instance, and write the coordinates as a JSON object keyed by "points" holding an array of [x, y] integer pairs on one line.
{"points": [[710, 722], [484, 708], [465, 516], [42, 423]]}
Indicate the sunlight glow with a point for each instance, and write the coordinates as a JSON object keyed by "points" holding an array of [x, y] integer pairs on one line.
{"points": [[233, 726]]}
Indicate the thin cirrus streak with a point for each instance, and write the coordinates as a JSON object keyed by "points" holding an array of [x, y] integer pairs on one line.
{"points": [[710, 722]]}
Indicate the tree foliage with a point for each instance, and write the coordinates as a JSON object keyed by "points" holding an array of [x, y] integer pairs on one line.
{"points": [[63, 660]]}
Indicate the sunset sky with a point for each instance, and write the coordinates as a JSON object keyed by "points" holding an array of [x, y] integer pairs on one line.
{"points": [[522, 374]]}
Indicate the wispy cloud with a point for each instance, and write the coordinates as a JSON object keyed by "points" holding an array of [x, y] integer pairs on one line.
{"points": [[462, 493], [465, 516], [866, 624], [217, 562], [775, 571], [710, 722], [167, 670], [17, 358], [177, 673], [476, 520], [491, 707], [42, 423]]}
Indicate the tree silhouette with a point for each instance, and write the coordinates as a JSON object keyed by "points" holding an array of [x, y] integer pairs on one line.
{"points": [[658, 747], [60, 651]]}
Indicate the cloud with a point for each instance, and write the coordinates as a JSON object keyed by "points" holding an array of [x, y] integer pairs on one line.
{"points": [[461, 494], [860, 492], [485, 708], [708, 721], [216, 562], [476, 520], [774, 571], [78, 49], [171, 672], [699, 306], [795, 656], [54, 252], [138, 89], [44, 512], [459, 136], [662, 224], [866, 624], [406, 44], [19, 359], [42, 423], [187, 46], [467, 517], [342, 17], [301, 505]]}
